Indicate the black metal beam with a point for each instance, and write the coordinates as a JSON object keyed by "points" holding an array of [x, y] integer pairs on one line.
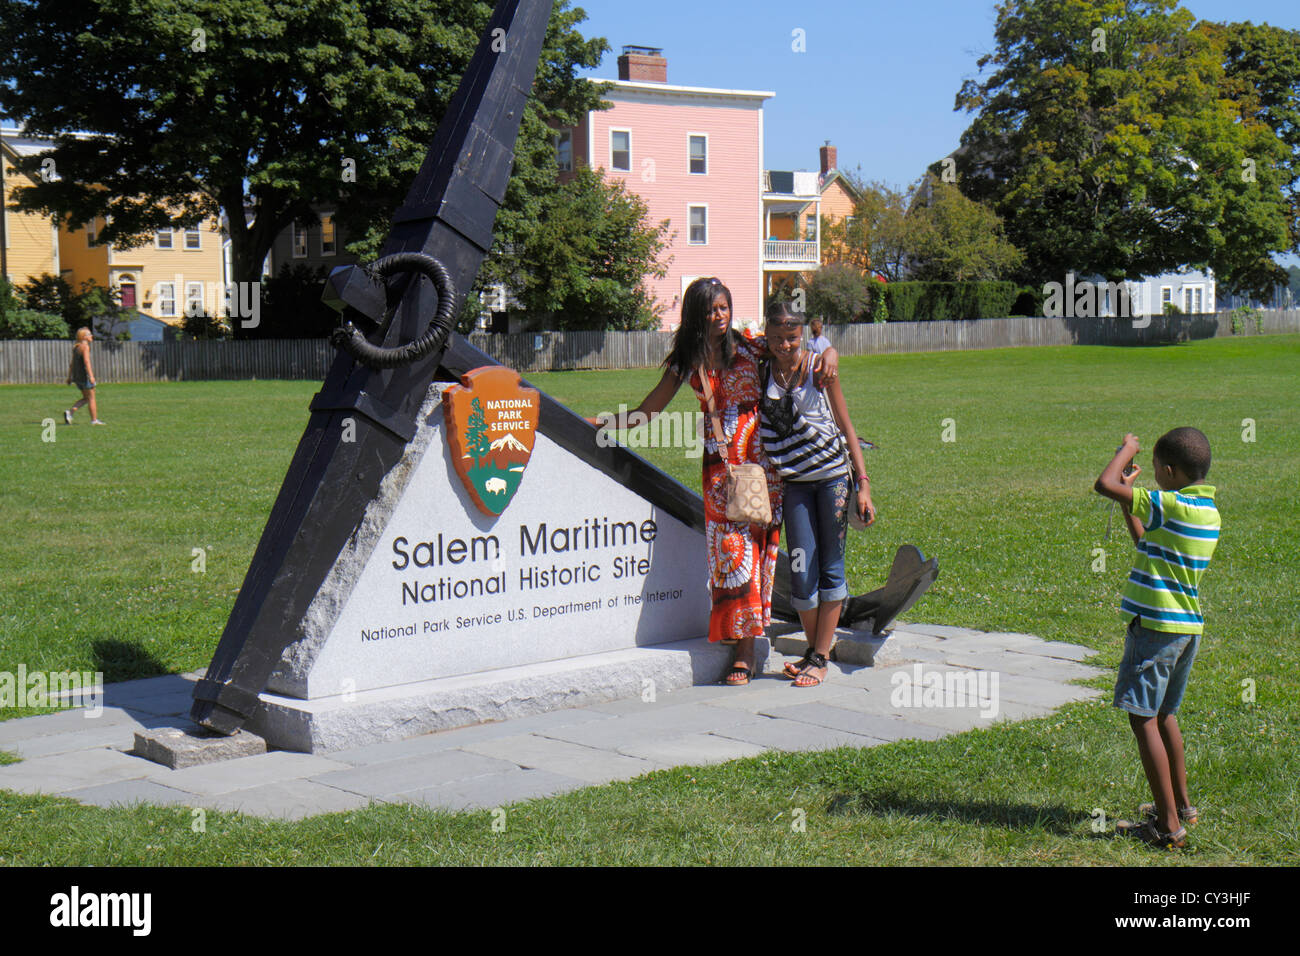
{"points": [[448, 214]]}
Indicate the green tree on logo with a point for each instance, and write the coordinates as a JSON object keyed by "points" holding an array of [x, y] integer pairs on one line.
{"points": [[476, 437]]}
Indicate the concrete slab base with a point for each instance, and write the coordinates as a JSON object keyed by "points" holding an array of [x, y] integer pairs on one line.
{"points": [[341, 722], [191, 745]]}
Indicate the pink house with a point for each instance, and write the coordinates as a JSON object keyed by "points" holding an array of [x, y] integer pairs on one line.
{"points": [[695, 155]]}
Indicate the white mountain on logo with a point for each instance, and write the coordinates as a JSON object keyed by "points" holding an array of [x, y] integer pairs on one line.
{"points": [[508, 442]]}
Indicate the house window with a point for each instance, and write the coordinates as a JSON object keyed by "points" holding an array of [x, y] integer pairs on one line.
{"points": [[194, 298], [166, 298], [299, 242], [1166, 297], [163, 239], [327, 247], [192, 239], [699, 225], [699, 154], [564, 150], [91, 233], [1192, 299], [620, 149]]}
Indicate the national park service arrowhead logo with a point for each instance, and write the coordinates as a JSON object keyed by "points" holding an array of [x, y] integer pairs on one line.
{"points": [[491, 428]]}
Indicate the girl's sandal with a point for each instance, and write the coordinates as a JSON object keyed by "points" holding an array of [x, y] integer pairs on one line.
{"points": [[736, 677], [806, 677], [793, 669]]}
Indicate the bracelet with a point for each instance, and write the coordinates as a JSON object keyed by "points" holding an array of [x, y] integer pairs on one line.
{"points": [[862, 478]]}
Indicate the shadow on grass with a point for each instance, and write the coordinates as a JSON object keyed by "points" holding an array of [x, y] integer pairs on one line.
{"points": [[1053, 818], [121, 660]]}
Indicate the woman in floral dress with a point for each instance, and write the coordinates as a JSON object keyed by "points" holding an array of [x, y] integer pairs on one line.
{"points": [[741, 557]]}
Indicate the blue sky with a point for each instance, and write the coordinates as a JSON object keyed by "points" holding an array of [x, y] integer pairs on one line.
{"points": [[878, 79]]}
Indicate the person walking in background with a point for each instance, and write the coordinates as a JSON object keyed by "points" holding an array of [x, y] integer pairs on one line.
{"points": [[82, 374]]}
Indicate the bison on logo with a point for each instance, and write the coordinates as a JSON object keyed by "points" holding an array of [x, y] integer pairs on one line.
{"points": [[491, 428]]}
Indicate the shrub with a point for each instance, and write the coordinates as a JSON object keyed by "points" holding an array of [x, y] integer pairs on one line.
{"points": [[838, 293], [922, 301]]}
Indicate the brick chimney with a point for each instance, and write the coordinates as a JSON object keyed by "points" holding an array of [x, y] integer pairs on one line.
{"points": [[643, 63], [828, 157]]}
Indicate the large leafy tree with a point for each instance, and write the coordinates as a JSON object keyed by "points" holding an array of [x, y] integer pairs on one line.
{"points": [[166, 111], [956, 239], [928, 231], [585, 264], [1107, 138], [1262, 65]]}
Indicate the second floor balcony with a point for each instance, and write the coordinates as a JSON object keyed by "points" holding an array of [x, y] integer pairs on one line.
{"points": [[791, 251]]}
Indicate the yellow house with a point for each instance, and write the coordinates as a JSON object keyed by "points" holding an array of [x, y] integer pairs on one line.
{"points": [[179, 270], [175, 270], [29, 241]]}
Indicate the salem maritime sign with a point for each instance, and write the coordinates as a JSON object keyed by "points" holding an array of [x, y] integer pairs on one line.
{"points": [[490, 546]]}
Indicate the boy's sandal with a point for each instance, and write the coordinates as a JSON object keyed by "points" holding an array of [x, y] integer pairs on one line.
{"points": [[1150, 834], [795, 668], [806, 677], [736, 677], [1188, 815]]}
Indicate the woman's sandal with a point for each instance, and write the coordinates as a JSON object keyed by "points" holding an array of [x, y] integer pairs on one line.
{"points": [[1188, 816], [806, 677], [737, 676], [794, 668]]}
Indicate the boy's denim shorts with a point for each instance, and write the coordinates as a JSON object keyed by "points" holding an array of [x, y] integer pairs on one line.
{"points": [[1154, 671]]}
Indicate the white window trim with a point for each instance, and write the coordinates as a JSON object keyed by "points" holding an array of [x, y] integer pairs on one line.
{"points": [[166, 293], [1163, 290], [198, 231], [1190, 293], [612, 131], [295, 231], [689, 207], [91, 233], [335, 250], [190, 289], [170, 238], [705, 137]]}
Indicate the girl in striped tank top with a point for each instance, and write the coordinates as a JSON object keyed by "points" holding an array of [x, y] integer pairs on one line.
{"points": [[805, 431]]}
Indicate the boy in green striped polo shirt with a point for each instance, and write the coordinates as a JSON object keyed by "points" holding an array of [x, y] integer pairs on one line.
{"points": [[1175, 530]]}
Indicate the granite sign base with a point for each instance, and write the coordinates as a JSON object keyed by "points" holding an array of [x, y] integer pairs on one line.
{"points": [[341, 722]]}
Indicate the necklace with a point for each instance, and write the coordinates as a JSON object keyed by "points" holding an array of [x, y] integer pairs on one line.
{"points": [[787, 382]]}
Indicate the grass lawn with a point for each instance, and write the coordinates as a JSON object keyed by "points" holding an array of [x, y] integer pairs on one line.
{"points": [[97, 572]]}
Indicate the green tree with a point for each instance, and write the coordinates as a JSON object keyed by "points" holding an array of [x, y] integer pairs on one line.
{"points": [[956, 239], [584, 265], [476, 436], [1107, 139], [20, 321], [838, 292], [1262, 66], [168, 111], [876, 237], [86, 306]]}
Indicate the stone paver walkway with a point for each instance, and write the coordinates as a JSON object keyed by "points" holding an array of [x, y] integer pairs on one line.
{"points": [[1014, 677]]}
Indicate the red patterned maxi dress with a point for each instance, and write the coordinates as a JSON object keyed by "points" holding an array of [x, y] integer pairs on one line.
{"points": [[742, 557]]}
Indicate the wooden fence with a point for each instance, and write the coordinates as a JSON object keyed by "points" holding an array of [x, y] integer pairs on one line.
{"points": [[46, 362]]}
